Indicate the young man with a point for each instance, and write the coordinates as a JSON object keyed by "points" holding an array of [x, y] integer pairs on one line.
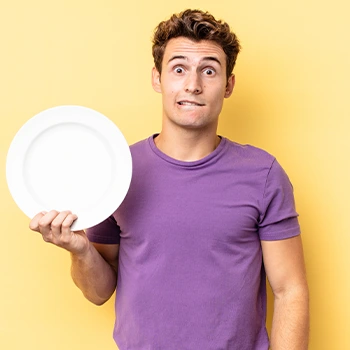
{"points": [[205, 219]]}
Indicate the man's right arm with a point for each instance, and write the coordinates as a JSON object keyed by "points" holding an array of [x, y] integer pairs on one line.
{"points": [[95, 271], [94, 266]]}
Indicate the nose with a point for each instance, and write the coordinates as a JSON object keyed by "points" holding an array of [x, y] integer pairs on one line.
{"points": [[193, 84]]}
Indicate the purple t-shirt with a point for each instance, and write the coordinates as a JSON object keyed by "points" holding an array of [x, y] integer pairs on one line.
{"points": [[190, 263]]}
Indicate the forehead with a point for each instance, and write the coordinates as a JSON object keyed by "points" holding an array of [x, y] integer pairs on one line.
{"points": [[193, 50]]}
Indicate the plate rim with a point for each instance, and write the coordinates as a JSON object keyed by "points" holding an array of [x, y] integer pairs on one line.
{"points": [[56, 115]]}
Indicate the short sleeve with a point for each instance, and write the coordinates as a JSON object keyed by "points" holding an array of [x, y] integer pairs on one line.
{"points": [[107, 232], [278, 219]]}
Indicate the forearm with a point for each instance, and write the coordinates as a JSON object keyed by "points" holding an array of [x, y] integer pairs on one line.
{"points": [[290, 323], [93, 276]]}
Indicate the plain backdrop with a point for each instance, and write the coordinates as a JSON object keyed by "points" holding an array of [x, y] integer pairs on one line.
{"points": [[291, 98]]}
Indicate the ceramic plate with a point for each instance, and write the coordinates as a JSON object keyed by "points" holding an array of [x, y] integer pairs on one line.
{"points": [[69, 158]]}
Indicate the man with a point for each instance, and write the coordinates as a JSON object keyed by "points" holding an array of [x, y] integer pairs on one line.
{"points": [[205, 218]]}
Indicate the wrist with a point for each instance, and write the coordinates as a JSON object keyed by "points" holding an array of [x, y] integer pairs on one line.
{"points": [[82, 252]]}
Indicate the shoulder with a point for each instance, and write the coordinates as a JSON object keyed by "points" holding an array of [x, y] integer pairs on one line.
{"points": [[141, 148], [256, 165], [139, 145], [248, 155], [248, 150]]}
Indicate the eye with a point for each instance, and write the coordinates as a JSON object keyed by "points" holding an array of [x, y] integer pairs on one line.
{"points": [[178, 70], [209, 71]]}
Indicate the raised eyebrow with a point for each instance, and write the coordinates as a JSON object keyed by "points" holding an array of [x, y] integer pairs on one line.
{"points": [[208, 58], [177, 58], [212, 58]]}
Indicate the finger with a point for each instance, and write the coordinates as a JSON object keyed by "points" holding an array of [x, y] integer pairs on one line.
{"points": [[56, 224], [34, 223], [66, 225], [45, 222]]}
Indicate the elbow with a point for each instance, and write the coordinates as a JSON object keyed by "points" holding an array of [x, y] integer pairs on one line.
{"points": [[99, 302], [299, 292], [96, 299]]}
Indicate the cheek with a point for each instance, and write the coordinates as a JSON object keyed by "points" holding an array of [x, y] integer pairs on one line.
{"points": [[168, 90], [217, 96]]}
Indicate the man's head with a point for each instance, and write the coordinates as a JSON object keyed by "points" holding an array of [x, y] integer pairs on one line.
{"points": [[195, 25]]}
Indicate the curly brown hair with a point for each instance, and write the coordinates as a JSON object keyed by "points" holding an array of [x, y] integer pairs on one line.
{"points": [[195, 25]]}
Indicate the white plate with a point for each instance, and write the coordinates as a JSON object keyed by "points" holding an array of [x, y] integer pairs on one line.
{"points": [[69, 158]]}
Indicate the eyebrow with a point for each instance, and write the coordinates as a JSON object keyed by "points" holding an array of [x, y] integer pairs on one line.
{"points": [[207, 58]]}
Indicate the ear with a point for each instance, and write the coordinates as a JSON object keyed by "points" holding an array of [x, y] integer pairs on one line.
{"points": [[230, 85], [156, 80]]}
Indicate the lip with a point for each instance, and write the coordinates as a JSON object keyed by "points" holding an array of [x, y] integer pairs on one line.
{"points": [[190, 103]]}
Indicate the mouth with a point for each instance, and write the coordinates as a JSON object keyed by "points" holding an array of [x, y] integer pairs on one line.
{"points": [[190, 103]]}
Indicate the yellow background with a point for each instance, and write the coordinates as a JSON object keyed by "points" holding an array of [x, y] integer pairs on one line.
{"points": [[291, 98]]}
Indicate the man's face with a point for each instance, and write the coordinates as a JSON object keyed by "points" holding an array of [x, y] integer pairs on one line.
{"points": [[193, 83]]}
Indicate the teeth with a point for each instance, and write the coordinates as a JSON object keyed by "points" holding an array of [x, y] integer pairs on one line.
{"points": [[188, 104]]}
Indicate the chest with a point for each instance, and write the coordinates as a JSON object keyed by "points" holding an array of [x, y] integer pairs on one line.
{"points": [[191, 205]]}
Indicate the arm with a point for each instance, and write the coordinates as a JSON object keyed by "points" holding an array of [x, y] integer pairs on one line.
{"points": [[95, 273], [94, 267], [285, 269]]}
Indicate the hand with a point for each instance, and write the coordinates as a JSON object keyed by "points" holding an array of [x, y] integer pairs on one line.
{"points": [[55, 226]]}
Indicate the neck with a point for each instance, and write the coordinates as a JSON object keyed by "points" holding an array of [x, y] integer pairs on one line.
{"points": [[187, 145]]}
